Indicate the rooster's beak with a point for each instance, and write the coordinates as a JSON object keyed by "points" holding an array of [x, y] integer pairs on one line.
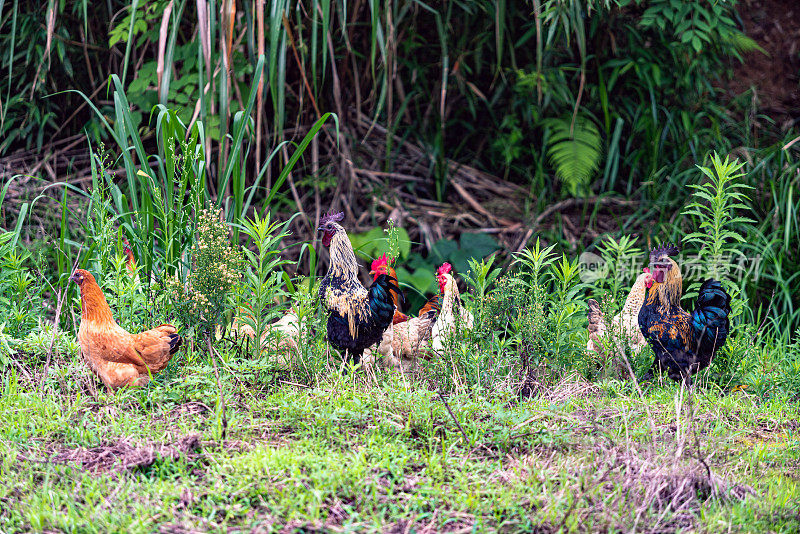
{"points": [[74, 277]]}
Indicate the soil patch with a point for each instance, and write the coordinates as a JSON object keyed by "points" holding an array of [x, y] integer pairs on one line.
{"points": [[775, 26]]}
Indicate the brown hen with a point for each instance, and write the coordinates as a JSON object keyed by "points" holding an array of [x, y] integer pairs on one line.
{"points": [[118, 357]]}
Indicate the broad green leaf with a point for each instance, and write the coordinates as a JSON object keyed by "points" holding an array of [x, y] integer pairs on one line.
{"points": [[443, 250], [478, 245]]}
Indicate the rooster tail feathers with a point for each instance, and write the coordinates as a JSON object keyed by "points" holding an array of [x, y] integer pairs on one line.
{"points": [[712, 301], [386, 284], [380, 297], [175, 340], [710, 316]]}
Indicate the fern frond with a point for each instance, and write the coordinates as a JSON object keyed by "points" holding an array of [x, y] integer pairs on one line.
{"points": [[574, 157], [744, 44]]}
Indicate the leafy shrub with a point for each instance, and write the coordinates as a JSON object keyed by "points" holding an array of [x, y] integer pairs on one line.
{"points": [[719, 234], [589, 90], [21, 305], [622, 263], [313, 359], [393, 241], [135, 299], [263, 278], [720, 231], [527, 322]]}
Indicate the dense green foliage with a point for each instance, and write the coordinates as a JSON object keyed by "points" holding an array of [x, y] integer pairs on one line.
{"points": [[605, 86], [529, 320], [243, 438], [575, 98]]}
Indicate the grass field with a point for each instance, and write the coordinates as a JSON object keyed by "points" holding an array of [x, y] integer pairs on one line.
{"points": [[375, 451]]}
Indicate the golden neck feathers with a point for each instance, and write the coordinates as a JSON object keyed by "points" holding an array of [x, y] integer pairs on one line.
{"points": [[669, 292], [343, 259], [94, 306]]}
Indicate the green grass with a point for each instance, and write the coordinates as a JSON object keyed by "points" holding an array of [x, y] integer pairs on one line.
{"points": [[376, 452]]}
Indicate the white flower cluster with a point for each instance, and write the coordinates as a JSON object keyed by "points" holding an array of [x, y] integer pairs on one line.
{"points": [[216, 268]]}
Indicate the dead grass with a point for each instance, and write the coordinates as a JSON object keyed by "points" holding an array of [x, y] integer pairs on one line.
{"points": [[649, 486], [120, 456], [438, 522], [574, 387]]}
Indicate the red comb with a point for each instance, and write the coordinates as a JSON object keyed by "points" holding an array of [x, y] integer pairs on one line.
{"points": [[444, 269], [379, 261]]}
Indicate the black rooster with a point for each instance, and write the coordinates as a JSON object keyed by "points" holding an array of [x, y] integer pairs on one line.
{"points": [[683, 343], [358, 316]]}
